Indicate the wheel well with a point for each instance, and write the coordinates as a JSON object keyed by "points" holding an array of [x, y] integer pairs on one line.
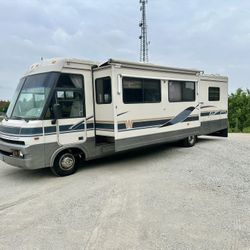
{"points": [[77, 152]]}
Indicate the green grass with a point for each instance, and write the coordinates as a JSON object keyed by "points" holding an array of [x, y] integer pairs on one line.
{"points": [[246, 130]]}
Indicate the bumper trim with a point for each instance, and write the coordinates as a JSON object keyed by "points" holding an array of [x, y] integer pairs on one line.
{"points": [[33, 155], [18, 162]]}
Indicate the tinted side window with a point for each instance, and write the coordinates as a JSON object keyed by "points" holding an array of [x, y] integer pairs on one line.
{"points": [[69, 93], [70, 81], [181, 91], [151, 91], [175, 91], [132, 90], [137, 90], [213, 94], [103, 90], [71, 102]]}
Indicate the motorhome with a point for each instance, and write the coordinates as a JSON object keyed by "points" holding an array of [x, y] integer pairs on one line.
{"points": [[67, 110]]}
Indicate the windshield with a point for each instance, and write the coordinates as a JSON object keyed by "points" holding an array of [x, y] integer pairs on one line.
{"points": [[33, 95], [12, 103]]}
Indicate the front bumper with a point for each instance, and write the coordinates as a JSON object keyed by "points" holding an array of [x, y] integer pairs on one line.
{"points": [[18, 162], [33, 156]]}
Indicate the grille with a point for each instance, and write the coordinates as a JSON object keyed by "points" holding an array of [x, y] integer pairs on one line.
{"points": [[12, 141]]}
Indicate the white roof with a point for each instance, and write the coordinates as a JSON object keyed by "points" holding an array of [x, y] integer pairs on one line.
{"points": [[214, 77], [149, 66], [57, 64]]}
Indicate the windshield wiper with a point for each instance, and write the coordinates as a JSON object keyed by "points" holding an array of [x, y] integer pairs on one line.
{"points": [[20, 118]]}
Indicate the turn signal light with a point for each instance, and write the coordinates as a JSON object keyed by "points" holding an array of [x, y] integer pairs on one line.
{"points": [[17, 153]]}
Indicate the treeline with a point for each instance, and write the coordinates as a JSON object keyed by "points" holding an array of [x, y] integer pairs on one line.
{"points": [[4, 106], [239, 111]]}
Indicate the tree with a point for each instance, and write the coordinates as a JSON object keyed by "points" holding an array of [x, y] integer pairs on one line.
{"points": [[239, 110], [4, 106]]}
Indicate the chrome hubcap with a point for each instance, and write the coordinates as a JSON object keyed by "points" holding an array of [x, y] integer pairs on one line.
{"points": [[67, 162]]}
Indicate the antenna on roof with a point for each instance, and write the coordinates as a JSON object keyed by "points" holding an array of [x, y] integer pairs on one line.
{"points": [[144, 30]]}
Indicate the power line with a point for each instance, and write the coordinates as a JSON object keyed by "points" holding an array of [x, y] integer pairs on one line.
{"points": [[144, 33]]}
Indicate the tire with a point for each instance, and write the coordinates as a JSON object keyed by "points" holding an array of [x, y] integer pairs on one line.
{"points": [[65, 164], [189, 141]]}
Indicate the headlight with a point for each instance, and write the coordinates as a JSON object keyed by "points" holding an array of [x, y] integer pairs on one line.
{"points": [[17, 153]]}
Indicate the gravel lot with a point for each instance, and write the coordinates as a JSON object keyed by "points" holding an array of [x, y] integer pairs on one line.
{"points": [[165, 197]]}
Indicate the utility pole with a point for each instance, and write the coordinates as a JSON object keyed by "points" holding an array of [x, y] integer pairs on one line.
{"points": [[144, 30]]}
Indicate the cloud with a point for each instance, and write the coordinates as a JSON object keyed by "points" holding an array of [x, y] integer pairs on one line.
{"points": [[209, 35]]}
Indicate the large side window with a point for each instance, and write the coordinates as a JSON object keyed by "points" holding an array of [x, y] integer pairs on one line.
{"points": [[69, 93], [103, 90], [138, 90], [213, 94], [181, 91]]}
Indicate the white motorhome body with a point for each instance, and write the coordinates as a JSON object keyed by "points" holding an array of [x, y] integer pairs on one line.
{"points": [[68, 108]]}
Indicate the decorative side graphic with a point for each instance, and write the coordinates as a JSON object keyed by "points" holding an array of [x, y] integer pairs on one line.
{"points": [[214, 111], [180, 117]]}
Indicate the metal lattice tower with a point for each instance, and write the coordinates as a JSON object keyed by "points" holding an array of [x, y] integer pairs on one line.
{"points": [[144, 30]]}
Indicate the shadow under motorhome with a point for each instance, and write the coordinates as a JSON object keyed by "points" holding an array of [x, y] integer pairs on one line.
{"points": [[67, 109]]}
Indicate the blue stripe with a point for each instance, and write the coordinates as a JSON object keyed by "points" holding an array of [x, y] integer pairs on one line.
{"points": [[10, 130], [49, 130], [31, 131], [90, 125], [122, 113], [152, 124], [149, 123], [121, 126], [220, 112], [192, 118], [38, 131], [109, 126], [181, 117], [27, 132], [205, 113]]}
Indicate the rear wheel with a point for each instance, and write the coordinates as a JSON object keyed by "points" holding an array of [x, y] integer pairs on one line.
{"points": [[189, 141], [64, 164]]}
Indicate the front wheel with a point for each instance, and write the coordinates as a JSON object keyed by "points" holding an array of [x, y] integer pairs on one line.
{"points": [[189, 141], [65, 164]]}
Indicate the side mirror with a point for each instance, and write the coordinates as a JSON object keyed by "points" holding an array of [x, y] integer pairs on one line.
{"points": [[57, 111]]}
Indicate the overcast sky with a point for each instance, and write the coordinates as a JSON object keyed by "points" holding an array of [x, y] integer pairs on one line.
{"points": [[209, 35]]}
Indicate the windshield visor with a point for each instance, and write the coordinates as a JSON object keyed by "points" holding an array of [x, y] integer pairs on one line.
{"points": [[33, 96]]}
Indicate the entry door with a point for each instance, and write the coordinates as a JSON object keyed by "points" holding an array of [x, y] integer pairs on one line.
{"points": [[183, 104], [69, 93]]}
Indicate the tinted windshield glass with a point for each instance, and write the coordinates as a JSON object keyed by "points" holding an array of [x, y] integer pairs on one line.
{"points": [[33, 96], [12, 103]]}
